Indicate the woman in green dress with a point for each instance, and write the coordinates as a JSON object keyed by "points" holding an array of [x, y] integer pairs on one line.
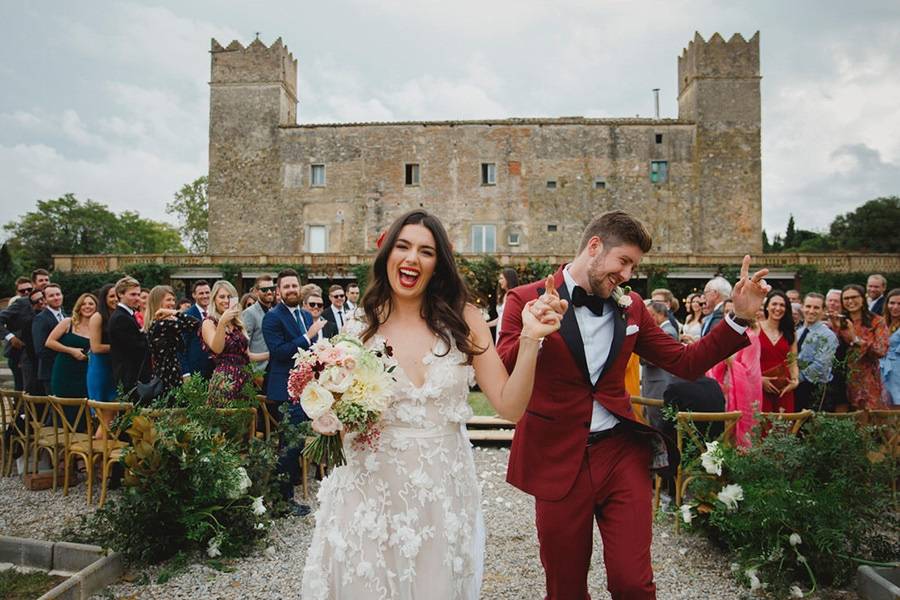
{"points": [[71, 340]]}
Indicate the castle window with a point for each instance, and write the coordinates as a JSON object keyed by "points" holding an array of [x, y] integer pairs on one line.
{"points": [[599, 183], [412, 174], [316, 239], [659, 138], [659, 171], [488, 173], [551, 184], [512, 238], [484, 238], [551, 228], [317, 175]]}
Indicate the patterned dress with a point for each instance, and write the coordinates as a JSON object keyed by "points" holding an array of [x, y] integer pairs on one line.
{"points": [[403, 520], [166, 344], [864, 387], [230, 372]]}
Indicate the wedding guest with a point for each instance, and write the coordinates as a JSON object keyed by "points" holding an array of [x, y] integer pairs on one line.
{"points": [[253, 315], [336, 313], [833, 302], [195, 359], [693, 323], [740, 377], [507, 280], [247, 300], [314, 305], [223, 336], [890, 364], [875, 288], [28, 361], [778, 347], [41, 327], [352, 297], [793, 296], [655, 380], [184, 304], [100, 384], [668, 298], [836, 389], [866, 337], [11, 318], [71, 340], [128, 347], [717, 290], [166, 329], [40, 278], [141, 313], [816, 345]]}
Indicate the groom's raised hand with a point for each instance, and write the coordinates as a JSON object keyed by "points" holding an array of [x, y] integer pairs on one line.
{"points": [[749, 292], [550, 300]]}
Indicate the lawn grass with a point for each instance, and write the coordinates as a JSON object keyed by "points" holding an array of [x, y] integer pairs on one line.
{"points": [[26, 586], [479, 403]]}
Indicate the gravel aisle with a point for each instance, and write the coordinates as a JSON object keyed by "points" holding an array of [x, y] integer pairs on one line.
{"points": [[686, 567]]}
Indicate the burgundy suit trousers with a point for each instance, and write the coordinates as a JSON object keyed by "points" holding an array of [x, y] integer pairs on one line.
{"points": [[613, 486]]}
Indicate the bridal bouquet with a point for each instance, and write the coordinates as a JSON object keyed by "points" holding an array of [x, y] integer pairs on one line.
{"points": [[342, 386]]}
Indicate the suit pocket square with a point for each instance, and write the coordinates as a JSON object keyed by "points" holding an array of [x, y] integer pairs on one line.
{"points": [[632, 329]]}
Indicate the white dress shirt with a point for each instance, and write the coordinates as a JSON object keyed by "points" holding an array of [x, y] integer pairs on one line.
{"points": [[597, 335], [339, 316]]}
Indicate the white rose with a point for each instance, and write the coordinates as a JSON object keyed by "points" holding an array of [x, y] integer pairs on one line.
{"points": [[336, 379], [730, 495], [711, 460], [795, 539], [316, 400], [686, 513], [243, 484], [796, 592], [625, 301], [258, 507], [212, 550]]}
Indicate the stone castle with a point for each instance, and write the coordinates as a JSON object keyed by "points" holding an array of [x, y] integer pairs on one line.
{"points": [[512, 186]]}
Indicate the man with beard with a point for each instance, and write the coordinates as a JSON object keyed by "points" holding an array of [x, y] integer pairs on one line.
{"points": [[287, 327], [253, 316]]}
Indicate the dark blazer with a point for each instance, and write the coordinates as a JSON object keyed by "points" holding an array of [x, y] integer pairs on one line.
{"points": [[13, 319], [284, 337], [128, 354], [328, 315], [703, 395], [878, 307], [41, 326], [329, 330], [714, 318], [194, 359]]}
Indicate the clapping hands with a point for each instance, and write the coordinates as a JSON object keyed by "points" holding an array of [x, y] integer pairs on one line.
{"points": [[542, 317]]}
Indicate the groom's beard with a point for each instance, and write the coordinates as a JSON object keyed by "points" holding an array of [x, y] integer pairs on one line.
{"points": [[601, 282]]}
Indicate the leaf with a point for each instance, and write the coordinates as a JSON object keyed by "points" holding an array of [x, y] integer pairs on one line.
{"points": [[875, 457], [705, 508]]}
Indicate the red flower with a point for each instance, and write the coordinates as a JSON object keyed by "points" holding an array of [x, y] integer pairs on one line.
{"points": [[380, 239]]}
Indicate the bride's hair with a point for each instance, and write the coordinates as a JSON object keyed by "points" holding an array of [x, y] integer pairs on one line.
{"points": [[445, 297]]}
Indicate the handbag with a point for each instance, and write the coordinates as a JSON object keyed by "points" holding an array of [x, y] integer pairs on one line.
{"points": [[152, 389], [781, 374]]}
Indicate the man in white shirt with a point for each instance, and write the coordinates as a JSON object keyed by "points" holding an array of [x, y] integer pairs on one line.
{"points": [[876, 286], [352, 297]]}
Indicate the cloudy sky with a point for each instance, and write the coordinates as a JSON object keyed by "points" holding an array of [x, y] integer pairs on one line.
{"points": [[109, 100]]}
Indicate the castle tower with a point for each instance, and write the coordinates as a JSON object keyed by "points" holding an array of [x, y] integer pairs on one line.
{"points": [[253, 91], [718, 89]]}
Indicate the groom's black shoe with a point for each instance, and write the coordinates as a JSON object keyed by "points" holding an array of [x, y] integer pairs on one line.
{"points": [[300, 510]]}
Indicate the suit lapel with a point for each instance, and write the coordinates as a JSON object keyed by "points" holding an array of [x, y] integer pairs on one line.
{"points": [[570, 333], [618, 336]]}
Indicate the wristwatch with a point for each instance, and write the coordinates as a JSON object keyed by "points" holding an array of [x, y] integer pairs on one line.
{"points": [[738, 320]]}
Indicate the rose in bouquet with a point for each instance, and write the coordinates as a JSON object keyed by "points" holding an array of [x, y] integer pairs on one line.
{"points": [[343, 386]]}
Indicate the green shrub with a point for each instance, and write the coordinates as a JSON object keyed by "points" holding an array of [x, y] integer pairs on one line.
{"points": [[813, 506]]}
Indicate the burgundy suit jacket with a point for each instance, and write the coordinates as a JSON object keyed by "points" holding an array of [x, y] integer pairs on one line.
{"points": [[550, 438]]}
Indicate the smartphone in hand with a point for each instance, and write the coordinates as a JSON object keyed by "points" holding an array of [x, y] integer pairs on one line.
{"points": [[232, 301]]}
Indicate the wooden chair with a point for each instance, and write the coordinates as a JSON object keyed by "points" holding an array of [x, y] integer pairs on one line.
{"points": [[18, 429], [10, 409], [75, 443], [269, 422], [109, 449], [639, 403], [797, 419], [686, 424], [44, 432]]}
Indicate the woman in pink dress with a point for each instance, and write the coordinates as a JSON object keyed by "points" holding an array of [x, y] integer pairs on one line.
{"points": [[740, 377], [778, 354]]}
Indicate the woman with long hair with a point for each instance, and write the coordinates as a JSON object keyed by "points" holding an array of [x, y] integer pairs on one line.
{"points": [[166, 329], [507, 280], [866, 337], [890, 364], [693, 323], [778, 354], [71, 340], [403, 519], [100, 383], [223, 337]]}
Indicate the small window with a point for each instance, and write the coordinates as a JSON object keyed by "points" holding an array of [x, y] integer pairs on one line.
{"points": [[659, 138], [317, 175], [488, 173], [317, 239], [659, 171], [512, 238], [551, 228], [412, 174], [599, 183], [551, 184], [484, 238]]}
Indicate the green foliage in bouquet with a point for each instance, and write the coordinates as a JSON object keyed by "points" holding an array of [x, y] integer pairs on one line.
{"points": [[809, 507]]}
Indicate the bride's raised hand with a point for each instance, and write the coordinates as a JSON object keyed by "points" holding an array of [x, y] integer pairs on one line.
{"points": [[539, 322]]}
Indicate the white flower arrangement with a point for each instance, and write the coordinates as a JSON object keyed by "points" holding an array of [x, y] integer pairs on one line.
{"points": [[212, 550], [730, 495], [795, 540], [686, 514], [755, 583], [712, 459], [796, 592], [258, 507]]}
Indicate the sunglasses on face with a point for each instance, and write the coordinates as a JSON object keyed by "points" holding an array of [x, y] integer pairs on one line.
{"points": [[36, 302], [338, 296], [315, 304], [267, 289], [25, 291]]}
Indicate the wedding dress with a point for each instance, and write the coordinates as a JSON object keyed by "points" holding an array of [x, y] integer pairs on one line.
{"points": [[402, 520]]}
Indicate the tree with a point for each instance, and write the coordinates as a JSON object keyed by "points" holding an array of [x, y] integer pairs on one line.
{"points": [[872, 226], [767, 247], [67, 226], [790, 236], [8, 269], [191, 207]]}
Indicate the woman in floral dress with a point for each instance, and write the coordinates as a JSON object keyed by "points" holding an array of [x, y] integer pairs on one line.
{"points": [[402, 519], [867, 339], [165, 328], [223, 337]]}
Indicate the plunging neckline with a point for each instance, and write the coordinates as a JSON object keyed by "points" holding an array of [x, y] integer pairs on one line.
{"points": [[768, 337], [425, 361]]}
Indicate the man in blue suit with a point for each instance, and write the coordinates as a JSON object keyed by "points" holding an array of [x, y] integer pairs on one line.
{"points": [[195, 360], [41, 326], [287, 328]]}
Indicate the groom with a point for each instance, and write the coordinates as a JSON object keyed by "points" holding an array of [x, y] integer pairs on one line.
{"points": [[579, 448]]}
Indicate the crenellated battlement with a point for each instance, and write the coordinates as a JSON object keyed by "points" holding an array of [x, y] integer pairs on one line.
{"points": [[255, 63], [735, 59]]}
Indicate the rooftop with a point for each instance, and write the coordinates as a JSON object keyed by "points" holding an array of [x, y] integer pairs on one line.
{"points": [[511, 122]]}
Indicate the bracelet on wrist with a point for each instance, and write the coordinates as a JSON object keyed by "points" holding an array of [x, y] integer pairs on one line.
{"points": [[528, 337]]}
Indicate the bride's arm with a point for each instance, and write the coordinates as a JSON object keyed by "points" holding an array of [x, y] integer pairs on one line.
{"points": [[509, 393]]}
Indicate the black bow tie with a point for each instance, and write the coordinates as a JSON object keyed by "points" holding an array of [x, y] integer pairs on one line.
{"points": [[582, 298]]}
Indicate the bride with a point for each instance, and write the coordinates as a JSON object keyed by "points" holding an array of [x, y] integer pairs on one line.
{"points": [[403, 519]]}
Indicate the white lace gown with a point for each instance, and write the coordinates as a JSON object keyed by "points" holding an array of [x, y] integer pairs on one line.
{"points": [[403, 520]]}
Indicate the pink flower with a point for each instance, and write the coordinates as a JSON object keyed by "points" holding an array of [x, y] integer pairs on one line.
{"points": [[349, 363], [331, 356], [327, 424], [299, 376]]}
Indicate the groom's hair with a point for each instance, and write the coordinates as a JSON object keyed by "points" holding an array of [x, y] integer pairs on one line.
{"points": [[615, 228]]}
